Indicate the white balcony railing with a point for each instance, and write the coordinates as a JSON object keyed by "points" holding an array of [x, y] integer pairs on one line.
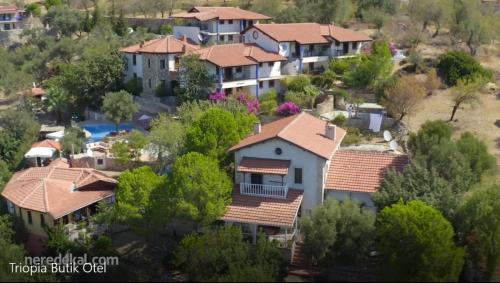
{"points": [[264, 190]]}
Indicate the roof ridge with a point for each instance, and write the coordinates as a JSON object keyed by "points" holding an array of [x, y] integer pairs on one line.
{"points": [[46, 198], [289, 124]]}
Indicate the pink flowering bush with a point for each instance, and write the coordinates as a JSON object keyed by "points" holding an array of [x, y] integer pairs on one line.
{"points": [[251, 102], [288, 109], [217, 96]]}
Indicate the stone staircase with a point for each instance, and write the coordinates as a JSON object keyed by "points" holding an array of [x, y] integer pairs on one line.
{"points": [[301, 264]]}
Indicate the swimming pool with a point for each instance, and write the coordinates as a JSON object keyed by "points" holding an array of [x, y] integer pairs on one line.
{"points": [[100, 131]]}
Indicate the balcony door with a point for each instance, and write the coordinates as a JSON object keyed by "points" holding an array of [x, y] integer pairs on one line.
{"points": [[257, 179]]}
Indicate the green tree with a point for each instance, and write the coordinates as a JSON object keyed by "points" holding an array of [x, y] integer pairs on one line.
{"points": [[479, 225], [135, 196], [195, 83], [427, 12], [51, 3], [119, 107], [476, 152], [223, 256], [134, 86], [73, 141], [167, 136], [416, 244], [120, 27], [56, 100], [19, 129], [375, 16], [372, 70], [458, 65], [466, 92], [63, 20], [137, 141], [213, 134], [14, 253], [201, 190], [121, 151], [418, 183], [34, 9], [430, 133], [470, 25], [338, 233], [87, 81], [4, 174]]}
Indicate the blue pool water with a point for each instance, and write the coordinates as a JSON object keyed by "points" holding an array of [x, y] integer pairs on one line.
{"points": [[100, 131]]}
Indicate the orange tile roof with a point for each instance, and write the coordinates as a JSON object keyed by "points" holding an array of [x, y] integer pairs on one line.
{"points": [[8, 9], [164, 45], [264, 166], [221, 13], [302, 130], [342, 34], [49, 189], [264, 211], [362, 171], [48, 143], [309, 33], [237, 54], [37, 91]]}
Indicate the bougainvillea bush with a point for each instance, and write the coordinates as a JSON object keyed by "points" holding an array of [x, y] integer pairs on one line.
{"points": [[217, 96], [250, 101], [288, 109]]}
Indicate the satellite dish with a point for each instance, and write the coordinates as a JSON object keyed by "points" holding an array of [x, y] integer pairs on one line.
{"points": [[387, 136], [200, 37], [393, 145]]}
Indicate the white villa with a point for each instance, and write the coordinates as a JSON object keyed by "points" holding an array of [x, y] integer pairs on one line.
{"points": [[11, 18], [243, 67], [289, 166], [308, 47], [215, 25]]}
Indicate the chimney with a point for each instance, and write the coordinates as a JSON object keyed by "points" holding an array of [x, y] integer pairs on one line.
{"points": [[257, 128], [330, 131], [184, 38]]}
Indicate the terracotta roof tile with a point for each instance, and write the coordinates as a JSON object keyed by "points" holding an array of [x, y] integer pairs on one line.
{"points": [[361, 171], [164, 45], [49, 189], [237, 54], [264, 211], [221, 13], [342, 34], [8, 9], [302, 130], [309, 33], [48, 143], [264, 166]]}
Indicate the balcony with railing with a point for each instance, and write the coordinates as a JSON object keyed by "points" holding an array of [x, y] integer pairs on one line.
{"points": [[262, 190]]}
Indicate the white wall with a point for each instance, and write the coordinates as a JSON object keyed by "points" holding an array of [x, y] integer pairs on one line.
{"points": [[270, 71], [311, 164], [190, 32], [262, 40], [131, 69], [229, 28]]}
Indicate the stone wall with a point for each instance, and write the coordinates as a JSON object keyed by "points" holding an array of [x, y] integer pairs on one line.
{"points": [[152, 73]]}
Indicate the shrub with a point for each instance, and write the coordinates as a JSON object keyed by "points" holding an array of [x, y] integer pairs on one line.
{"points": [[433, 82], [296, 97], [297, 83], [459, 65], [340, 120], [251, 102], [161, 90], [165, 29], [340, 66], [134, 86], [353, 136], [218, 96], [288, 109], [269, 102], [416, 60]]}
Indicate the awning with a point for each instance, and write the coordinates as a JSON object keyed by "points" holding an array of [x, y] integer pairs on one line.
{"points": [[264, 166], [263, 210], [43, 152], [55, 136]]}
